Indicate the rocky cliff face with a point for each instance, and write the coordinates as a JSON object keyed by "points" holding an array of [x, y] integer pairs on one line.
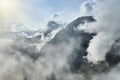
{"points": [[77, 41]]}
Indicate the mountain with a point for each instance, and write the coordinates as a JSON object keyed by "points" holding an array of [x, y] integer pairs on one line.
{"points": [[77, 40], [71, 36]]}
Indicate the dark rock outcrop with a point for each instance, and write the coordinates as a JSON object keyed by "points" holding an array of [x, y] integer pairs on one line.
{"points": [[113, 55]]}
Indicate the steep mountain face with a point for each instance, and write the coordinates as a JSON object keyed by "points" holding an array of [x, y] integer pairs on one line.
{"points": [[69, 32], [76, 41]]}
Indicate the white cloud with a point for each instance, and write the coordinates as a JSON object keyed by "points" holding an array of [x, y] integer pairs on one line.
{"points": [[107, 27], [86, 8]]}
